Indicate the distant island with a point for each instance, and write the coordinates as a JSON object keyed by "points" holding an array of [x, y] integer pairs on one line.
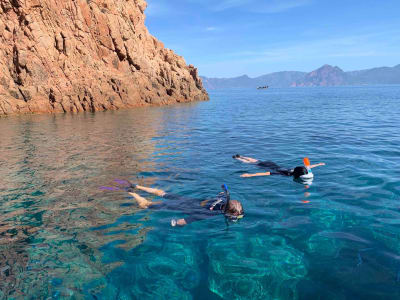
{"points": [[327, 75]]}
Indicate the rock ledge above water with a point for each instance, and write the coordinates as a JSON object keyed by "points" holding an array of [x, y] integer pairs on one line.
{"points": [[86, 55]]}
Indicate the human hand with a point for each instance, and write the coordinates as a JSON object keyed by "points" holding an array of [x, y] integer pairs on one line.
{"points": [[181, 222]]}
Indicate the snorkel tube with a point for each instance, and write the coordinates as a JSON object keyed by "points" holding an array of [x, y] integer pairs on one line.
{"points": [[228, 196], [306, 162], [234, 217]]}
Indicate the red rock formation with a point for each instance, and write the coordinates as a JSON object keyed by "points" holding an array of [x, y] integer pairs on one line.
{"points": [[86, 55]]}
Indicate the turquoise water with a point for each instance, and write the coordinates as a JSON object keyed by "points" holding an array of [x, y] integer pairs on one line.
{"points": [[62, 237]]}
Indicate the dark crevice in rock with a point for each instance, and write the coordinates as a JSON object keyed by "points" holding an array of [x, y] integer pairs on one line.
{"points": [[16, 66], [52, 98], [131, 61], [63, 108], [25, 94], [117, 47], [170, 92], [15, 3], [120, 55], [82, 103]]}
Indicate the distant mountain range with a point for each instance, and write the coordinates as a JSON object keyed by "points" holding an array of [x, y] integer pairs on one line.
{"points": [[325, 76]]}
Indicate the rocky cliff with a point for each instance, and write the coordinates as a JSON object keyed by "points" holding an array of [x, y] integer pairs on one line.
{"points": [[86, 55]]}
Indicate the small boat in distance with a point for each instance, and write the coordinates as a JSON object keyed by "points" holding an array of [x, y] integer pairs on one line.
{"points": [[262, 87]]}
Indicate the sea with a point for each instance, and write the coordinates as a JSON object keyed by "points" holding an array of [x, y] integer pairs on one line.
{"points": [[70, 230]]}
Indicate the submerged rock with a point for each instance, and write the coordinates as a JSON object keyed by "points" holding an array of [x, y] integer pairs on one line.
{"points": [[71, 56], [265, 267]]}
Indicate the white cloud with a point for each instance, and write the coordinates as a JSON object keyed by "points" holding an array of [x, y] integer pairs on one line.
{"points": [[211, 28], [227, 4], [257, 6], [367, 45], [280, 6]]}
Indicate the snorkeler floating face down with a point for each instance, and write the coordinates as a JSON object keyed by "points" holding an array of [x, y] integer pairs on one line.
{"points": [[299, 173], [195, 210]]}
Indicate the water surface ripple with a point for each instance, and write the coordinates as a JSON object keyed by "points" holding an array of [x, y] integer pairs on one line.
{"points": [[61, 237]]}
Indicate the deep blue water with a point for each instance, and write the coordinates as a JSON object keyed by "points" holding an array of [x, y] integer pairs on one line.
{"points": [[62, 237]]}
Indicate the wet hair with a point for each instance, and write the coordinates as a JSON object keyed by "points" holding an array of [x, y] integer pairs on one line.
{"points": [[234, 208], [299, 171]]}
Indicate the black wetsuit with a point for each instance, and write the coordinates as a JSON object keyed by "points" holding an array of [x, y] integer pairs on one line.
{"points": [[274, 168], [192, 207]]}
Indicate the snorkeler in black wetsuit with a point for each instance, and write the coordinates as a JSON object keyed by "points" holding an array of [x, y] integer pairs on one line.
{"points": [[196, 210], [301, 172]]}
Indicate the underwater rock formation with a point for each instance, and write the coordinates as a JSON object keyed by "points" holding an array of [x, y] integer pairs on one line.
{"points": [[86, 55]]}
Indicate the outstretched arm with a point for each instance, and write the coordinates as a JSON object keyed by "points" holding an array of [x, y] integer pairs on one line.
{"points": [[256, 174], [190, 219], [317, 165], [194, 216]]}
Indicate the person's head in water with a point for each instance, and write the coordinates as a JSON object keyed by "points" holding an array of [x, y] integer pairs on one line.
{"points": [[299, 171], [234, 209]]}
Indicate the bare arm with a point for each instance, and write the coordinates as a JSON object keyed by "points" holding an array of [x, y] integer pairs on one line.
{"points": [[190, 219], [194, 216], [317, 165], [256, 174]]}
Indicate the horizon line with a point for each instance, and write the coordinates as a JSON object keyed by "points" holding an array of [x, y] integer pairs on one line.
{"points": [[306, 72]]}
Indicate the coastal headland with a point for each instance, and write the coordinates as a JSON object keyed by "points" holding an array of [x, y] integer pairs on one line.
{"points": [[71, 56]]}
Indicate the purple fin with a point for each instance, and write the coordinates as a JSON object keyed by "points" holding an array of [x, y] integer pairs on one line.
{"points": [[123, 182], [108, 188]]}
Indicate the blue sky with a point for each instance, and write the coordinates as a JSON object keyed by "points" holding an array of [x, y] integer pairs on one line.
{"points": [[228, 38]]}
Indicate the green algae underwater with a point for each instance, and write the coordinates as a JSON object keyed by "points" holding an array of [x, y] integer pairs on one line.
{"points": [[61, 237]]}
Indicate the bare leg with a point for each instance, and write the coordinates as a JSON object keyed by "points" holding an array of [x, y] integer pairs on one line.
{"points": [[142, 202], [156, 192], [247, 160]]}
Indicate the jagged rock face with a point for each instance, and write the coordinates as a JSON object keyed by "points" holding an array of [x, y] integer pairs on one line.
{"points": [[86, 55]]}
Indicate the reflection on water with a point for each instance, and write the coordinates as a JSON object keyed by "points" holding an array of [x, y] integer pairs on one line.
{"points": [[61, 236], [52, 167]]}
